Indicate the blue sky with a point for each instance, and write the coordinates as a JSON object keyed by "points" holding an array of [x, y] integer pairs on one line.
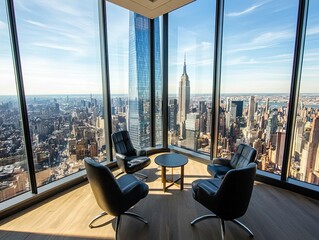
{"points": [[59, 47]]}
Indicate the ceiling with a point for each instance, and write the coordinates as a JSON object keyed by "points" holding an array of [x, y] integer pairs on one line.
{"points": [[151, 8]]}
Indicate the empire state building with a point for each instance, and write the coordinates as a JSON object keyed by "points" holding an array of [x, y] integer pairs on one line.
{"points": [[183, 100]]}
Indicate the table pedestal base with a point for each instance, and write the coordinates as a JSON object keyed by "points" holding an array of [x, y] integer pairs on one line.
{"points": [[172, 181]]}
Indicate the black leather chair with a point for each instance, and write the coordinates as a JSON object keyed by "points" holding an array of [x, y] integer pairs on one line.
{"points": [[128, 158], [114, 196], [244, 155], [228, 198]]}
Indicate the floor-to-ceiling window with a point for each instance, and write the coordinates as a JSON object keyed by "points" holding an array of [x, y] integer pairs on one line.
{"points": [[14, 177], [304, 164], [258, 46], [60, 56], [118, 49], [130, 76], [158, 81], [191, 41]]}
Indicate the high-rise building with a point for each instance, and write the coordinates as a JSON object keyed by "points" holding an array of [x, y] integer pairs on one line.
{"points": [[158, 83], [139, 79], [192, 130], [202, 107], [309, 162], [267, 105], [183, 100], [172, 115], [239, 108], [280, 146], [251, 110], [209, 120], [271, 129]]}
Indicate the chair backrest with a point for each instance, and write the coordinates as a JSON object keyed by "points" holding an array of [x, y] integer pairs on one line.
{"points": [[233, 196], [123, 144], [104, 186], [244, 155]]}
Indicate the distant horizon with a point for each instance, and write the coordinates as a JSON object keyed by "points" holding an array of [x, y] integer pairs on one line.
{"points": [[170, 94]]}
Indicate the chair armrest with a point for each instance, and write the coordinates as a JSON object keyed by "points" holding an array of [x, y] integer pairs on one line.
{"points": [[140, 153], [119, 156], [128, 188], [120, 159], [221, 161], [206, 190]]}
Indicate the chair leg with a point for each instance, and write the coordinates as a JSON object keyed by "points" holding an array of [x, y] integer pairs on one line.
{"points": [[118, 219], [96, 218], [223, 230], [136, 216], [244, 227], [201, 218]]}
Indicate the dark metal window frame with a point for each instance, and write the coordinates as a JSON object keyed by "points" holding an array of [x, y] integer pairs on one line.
{"points": [[21, 94]]}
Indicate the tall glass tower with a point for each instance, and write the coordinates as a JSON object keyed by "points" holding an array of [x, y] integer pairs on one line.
{"points": [[139, 111]]}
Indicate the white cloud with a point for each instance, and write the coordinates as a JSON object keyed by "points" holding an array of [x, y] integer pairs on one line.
{"points": [[75, 50], [194, 47], [245, 60], [247, 47], [312, 31], [256, 81], [246, 11], [7, 77], [261, 41], [35, 23], [65, 7], [2, 25], [44, 76], [269, 37]]}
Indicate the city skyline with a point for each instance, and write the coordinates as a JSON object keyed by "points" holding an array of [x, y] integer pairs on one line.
{"points": [[244, 55]]}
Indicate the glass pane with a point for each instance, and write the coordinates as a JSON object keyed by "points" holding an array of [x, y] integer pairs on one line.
{"points": [[258, 48], [191, 41], [60, 53], [158, 81], [14, 178], [139, 81], [305, 157], [129, 55], [118, 48]]}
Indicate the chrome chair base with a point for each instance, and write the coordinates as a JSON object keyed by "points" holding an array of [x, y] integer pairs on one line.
{"points": [[96, 218], [118, 219], [222, 224]]}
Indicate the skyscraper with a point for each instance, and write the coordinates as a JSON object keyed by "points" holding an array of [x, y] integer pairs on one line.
{"points": [[239, 108], [172, 114], [183, 100], [309, 162], [251, 110], [139, 79]]}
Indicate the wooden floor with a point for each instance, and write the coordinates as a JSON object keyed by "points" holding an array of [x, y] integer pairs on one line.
{"points": [[272, 214]]}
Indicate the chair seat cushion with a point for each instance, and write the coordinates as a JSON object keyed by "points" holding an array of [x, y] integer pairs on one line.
{"points": [[130, 181], [137, 164], [209, 186], [217, 171], [133, 190]]}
